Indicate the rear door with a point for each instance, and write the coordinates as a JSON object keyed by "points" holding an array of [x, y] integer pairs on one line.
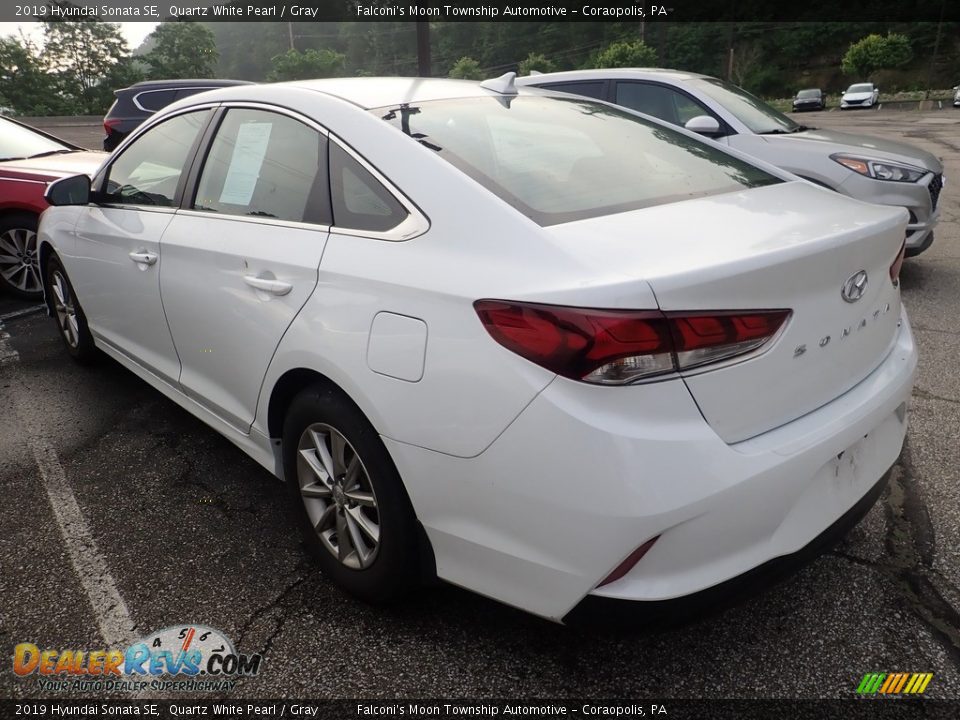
{"points": [[241, 258], [115, 268]]}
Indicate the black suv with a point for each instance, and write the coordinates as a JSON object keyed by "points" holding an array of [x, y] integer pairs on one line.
{"points": [[138, 102]]}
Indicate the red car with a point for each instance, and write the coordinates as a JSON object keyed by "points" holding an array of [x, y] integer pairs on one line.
{"points": [[29, 161]]}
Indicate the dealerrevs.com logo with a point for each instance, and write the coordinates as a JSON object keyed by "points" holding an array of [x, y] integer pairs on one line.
{"points": [[179, 658]]}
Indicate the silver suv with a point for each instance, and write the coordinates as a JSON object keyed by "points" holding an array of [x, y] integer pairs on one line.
{"points": [[863, 167]]}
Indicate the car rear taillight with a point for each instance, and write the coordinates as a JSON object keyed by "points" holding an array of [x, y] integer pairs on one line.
{"points": [[704, 338], [616, 347], [110, 124], [897, 264]]}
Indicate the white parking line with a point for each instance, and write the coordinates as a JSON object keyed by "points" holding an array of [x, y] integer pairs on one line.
{"points": [[19, 313], [109, 609]]}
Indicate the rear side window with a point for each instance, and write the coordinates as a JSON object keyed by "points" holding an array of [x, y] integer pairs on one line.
{"points": [[595, 89], [264, 164], [153, 100], [360, 202], [149, 169], [563, 159]]}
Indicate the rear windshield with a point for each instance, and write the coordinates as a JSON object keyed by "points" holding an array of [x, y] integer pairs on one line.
{"points": [[558, 160], [806, 94]]}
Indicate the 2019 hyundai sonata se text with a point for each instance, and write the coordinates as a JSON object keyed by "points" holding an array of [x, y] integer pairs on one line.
{"points": [[547, 347]]}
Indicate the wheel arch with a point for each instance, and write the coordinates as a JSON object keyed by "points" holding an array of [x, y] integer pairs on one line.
{"points": [[284, 390], [45, 252], [7, 210]]}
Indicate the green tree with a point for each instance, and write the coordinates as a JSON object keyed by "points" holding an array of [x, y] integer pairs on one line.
{"points": [[82, 55], [181, 50], [466, 68], [876, 52], [25, 85], [293, 65], [538, 62], [627, 54]]}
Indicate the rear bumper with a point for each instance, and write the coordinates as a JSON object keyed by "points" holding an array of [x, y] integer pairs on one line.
{"points": [[607, 611], [586, 475]]}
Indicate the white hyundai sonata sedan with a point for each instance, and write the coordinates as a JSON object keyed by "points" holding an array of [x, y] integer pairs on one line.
{"points": [[549, 349]]}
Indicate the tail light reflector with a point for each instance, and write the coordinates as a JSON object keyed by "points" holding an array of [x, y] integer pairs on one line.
{"points": [[616, 347], [897, 264], [627, 565]]}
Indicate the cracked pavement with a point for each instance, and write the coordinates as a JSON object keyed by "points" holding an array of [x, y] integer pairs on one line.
{"points": [[193, 531]]}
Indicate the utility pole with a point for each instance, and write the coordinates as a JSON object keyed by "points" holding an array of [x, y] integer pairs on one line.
{"points": [[423, 48], [731, 33], [936, 49], [290, 31]]}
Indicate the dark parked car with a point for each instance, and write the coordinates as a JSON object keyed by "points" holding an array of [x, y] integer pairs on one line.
{"points": [[138, 102], [812, 99]]}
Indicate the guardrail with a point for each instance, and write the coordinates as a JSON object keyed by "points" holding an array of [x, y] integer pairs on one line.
{"points": [[909, 105], [54, 121]]}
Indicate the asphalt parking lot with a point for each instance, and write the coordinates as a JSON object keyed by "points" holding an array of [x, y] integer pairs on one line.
{"points": [[192, 531]]}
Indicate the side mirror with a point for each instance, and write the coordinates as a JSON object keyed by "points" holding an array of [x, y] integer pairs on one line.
{"points": [[703, 124], [73, 190]]}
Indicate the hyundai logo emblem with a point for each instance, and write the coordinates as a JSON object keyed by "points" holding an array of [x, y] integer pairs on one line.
{"points": [[854, 287]]}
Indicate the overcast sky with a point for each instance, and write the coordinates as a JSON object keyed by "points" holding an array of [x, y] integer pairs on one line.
{"points": [[134, 32]]}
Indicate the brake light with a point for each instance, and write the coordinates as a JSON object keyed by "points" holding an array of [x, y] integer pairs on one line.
{"points": [[897, 264], [110, 124], [616, 347]]}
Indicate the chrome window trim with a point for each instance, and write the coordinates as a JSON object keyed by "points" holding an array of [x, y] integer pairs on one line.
{"points": [[174, 90], [278, 109], [151, 122], [212, 215], [144, 128], [265, 107], [414, 225]]}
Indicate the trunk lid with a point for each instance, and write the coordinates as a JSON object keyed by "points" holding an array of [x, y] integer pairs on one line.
{"points": [[787, 246]]}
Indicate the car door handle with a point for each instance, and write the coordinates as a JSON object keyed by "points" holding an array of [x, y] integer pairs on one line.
{"points": [[144, 257], [274, 287]]}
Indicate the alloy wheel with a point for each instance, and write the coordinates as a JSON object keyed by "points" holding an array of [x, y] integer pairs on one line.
{"points": [[66, 310], [339, 499], [18, 259]]}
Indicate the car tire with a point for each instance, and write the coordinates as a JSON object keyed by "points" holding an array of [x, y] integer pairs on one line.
{"points": [[68, 313], [348, 498], [19, 267]]}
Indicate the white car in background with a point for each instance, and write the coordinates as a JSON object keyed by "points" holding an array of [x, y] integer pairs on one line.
{"points": [[866, 168], [549, 349], [860, 95]]}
